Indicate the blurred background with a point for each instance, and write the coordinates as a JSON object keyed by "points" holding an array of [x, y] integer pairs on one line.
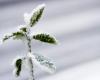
{"points": [[75, 24]]}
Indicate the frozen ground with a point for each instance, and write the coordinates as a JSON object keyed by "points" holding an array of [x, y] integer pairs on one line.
{"points": [[75, 23]]}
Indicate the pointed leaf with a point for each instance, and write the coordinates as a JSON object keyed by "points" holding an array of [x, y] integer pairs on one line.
{"points": [[36, 14], [22, 28], [45, 38], [18, 66], [18, 35], [7, 37]]}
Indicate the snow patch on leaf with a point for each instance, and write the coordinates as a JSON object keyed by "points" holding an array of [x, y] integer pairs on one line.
{"points": [[45, 63], [34, 16]]}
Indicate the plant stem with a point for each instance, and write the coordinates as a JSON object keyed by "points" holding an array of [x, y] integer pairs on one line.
{"points": [[31, 66]]}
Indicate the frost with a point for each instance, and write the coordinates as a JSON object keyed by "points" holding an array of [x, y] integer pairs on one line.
{"points": [[45, 63], [18, 35], [27, 18], [6, 37], [23, 33], [20, 26], [34, 16]]}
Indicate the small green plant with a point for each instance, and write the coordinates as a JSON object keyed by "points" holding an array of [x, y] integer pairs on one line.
{"points": [[23, 33]]}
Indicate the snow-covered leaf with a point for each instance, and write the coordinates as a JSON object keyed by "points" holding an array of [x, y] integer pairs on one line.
{"points": [[18, 35], [45, 63], [45, 38], [22, 28], [6, 37], [34, 16]]}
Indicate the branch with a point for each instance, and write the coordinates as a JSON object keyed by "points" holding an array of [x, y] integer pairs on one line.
{"points": [[6, 37]]}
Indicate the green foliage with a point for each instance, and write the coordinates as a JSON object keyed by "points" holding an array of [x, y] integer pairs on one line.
{"points": [[18, 66], [7, 37], [45, 38], [24, 34], [24, 29], [36, 16], [18, 35], [15, 35]]}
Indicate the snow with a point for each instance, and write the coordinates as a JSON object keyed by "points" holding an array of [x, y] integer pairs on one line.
{"points": [[28, 16], [86, 71], [75, 24]]}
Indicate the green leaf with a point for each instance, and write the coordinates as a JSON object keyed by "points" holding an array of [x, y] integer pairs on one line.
{"points": [[18, 65], [7, 37], [45, 62], [36, 15], [18, 35], [45, 38], [24, 29], [15, 35]]}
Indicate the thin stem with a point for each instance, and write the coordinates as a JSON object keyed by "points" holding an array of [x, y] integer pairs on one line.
{"points": [[29, 58], [31, 70], [29, 45]]}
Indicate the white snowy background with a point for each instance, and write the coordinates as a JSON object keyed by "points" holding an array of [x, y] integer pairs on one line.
{"points": [[76, 25]]}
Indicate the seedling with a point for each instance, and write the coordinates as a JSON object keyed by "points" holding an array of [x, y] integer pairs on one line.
{"points": [[24, 34]]}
